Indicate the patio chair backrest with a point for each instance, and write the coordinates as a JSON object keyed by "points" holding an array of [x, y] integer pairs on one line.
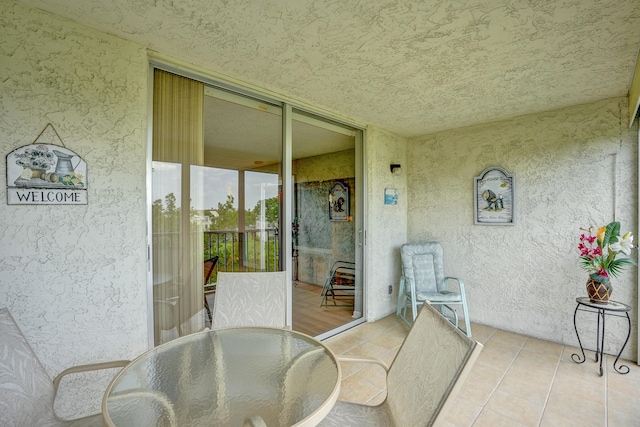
{"points": [[26, 391], [434, 358], [250, 299], [423, 263]]}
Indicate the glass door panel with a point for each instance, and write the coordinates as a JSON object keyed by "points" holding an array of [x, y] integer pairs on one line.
{"points": [[326, 271]]}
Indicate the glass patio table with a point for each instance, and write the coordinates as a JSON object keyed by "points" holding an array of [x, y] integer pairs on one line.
{"points": [[227, 377]]}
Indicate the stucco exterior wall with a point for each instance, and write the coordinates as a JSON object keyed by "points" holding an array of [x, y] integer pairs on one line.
{"points": [[574, 168], [74, 277], [386, 224]]}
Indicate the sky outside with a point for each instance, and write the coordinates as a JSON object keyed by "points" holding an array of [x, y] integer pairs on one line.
{"points": [[216, 185]]}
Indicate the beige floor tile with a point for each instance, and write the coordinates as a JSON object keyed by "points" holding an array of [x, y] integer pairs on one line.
{"points": [[510, 338], [481, 383], [355, 390], [626, 383], [367, 331], [462, 412], [587, 371], [498, 355], [374, 375], [572, 385], [350, 368], [481, 333], [620, 418], [377, 399], [389, 357], [515, 407], [544, 348], [624, 403], [582, 409], [388, 340], [343, 342], [565, 418], [488, 418], [525, 384], [536, 367], [368, 349]]}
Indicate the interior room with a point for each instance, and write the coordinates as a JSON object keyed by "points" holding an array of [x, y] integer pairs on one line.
{"points": [[331, 133]]}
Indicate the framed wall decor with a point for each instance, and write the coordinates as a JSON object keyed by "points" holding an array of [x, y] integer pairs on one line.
{"points": [[494, 197], [339, 202]]}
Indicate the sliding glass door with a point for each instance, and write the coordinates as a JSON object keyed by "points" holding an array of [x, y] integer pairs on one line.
{"points": [[217, 193]]}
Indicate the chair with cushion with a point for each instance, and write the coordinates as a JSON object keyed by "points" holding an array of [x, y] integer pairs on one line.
{"points": [[27, 393], [423, 380], [209, 265], [423, 280], [250, 299]]}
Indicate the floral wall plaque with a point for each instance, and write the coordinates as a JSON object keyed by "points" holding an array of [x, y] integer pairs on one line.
{"points": [[46, 174]]}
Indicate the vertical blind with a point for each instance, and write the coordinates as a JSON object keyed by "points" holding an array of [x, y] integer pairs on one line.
{"points": [[178, 144]]}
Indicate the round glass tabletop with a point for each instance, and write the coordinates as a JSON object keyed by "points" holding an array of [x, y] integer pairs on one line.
{"points": [[224, 378]]}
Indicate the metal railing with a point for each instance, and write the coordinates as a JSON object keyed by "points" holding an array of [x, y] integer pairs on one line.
{"points": [[249, 250]]}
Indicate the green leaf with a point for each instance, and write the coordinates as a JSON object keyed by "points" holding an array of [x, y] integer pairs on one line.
{"points": [[613, 230]]}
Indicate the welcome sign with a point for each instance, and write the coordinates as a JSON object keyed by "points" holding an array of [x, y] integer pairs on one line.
{"points": [[46, 174]]}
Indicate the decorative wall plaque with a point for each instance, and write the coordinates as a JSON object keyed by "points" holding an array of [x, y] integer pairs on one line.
{"points": [[46, 174], [339, 202], [494, 197]]}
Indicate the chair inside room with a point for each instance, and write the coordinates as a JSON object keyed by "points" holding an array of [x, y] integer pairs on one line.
{"points": [[339, 288], [250, 299], [423, 280], [27, 393], [423, 380], [209, 265]]}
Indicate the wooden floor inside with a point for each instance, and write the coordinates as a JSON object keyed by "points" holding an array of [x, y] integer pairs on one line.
{"points": [[312, 319]]}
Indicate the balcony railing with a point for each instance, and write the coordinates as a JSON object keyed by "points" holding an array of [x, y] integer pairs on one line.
{"points": [[249, 250]]}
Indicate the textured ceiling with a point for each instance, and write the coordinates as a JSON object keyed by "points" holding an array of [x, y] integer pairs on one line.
{"points": [[409, 67]]}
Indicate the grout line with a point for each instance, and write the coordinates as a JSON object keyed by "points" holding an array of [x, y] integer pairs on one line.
{"points": [[605, 372], [553, 380], [484, 406]]}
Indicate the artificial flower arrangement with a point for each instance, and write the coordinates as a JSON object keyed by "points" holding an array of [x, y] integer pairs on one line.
{"points": [[38, 157], [600, 253]]}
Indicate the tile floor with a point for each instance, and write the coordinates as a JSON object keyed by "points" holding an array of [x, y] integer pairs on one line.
{"points": [[516, 381]]}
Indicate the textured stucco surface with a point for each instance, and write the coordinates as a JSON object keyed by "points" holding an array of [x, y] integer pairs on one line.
{"points": [[574, 167], [428, 65], [74, 277], [386, 224]]}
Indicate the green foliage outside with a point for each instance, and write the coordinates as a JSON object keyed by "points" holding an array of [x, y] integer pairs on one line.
{"points": [[166, 221]]}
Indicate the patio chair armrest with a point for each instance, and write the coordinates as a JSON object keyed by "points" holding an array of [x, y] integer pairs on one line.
{"points": [[86, 368], [358, 359], [457, 280], [254, 421]]}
